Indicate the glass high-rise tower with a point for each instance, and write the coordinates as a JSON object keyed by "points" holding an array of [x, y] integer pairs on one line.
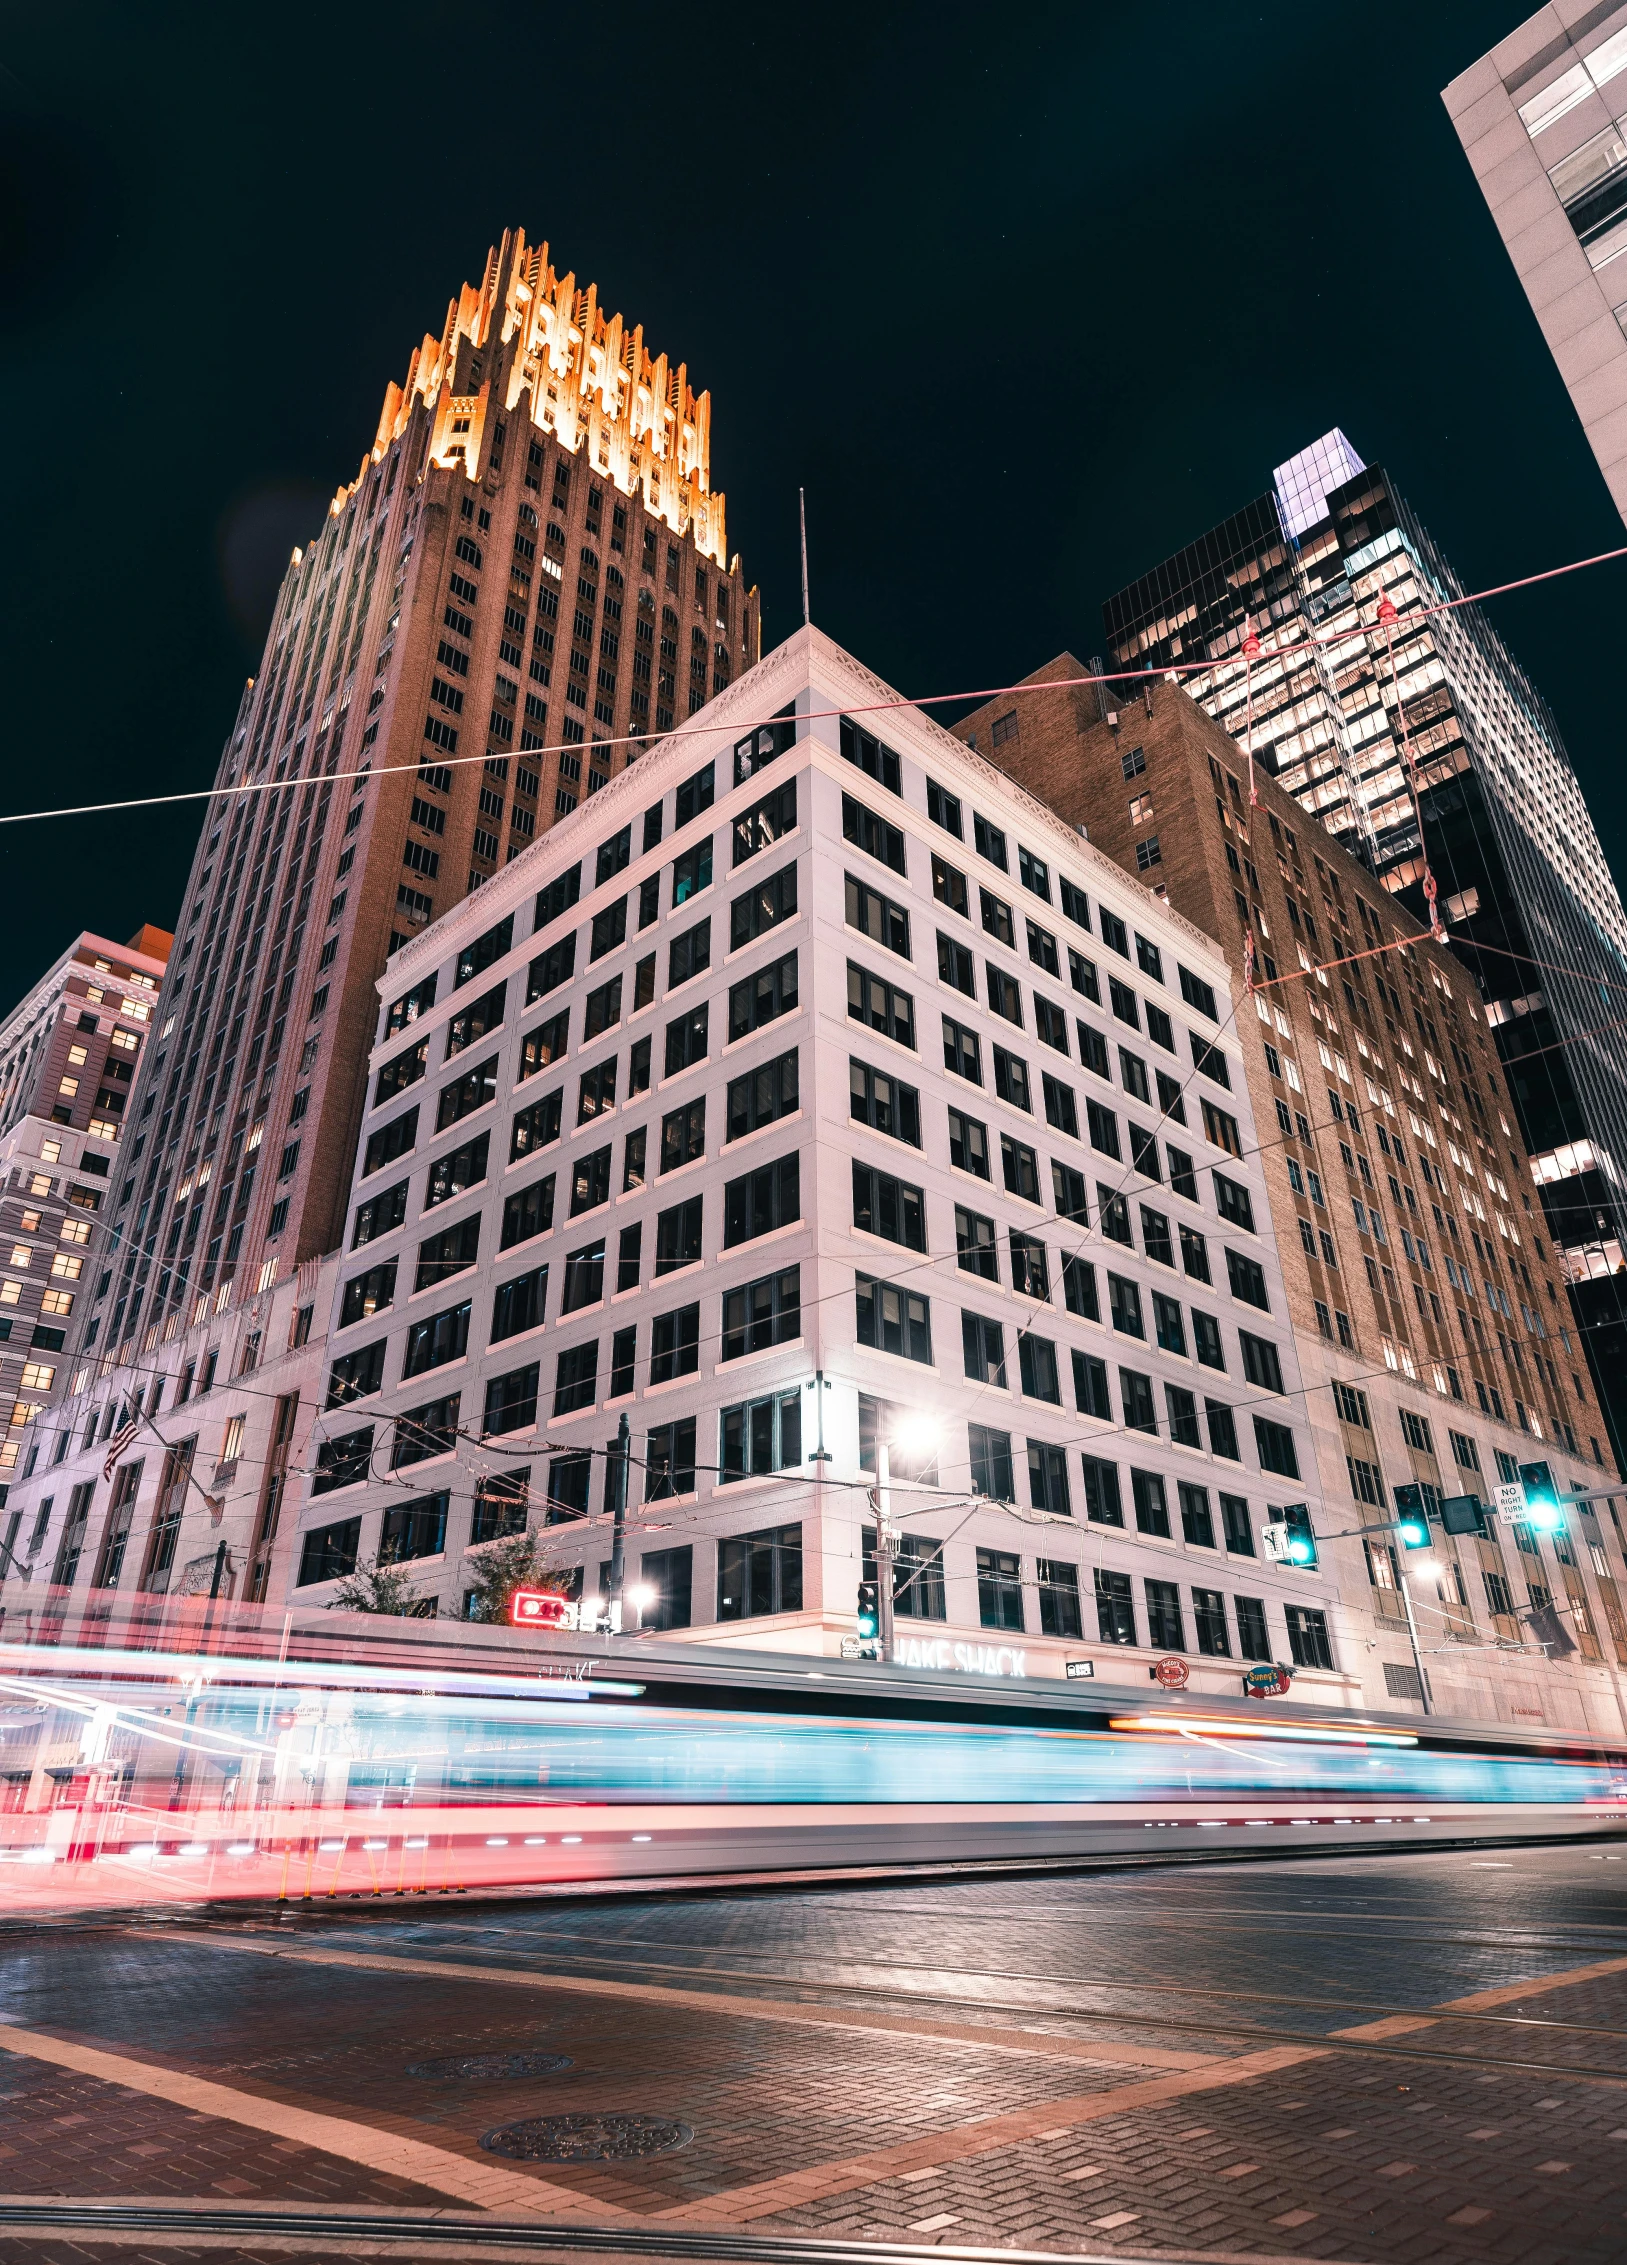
{"points": [[1449, 759]]}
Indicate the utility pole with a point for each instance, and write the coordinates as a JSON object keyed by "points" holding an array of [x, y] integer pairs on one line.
{"points": [[881, 1496], [618, 1531], [1412, 1631]]}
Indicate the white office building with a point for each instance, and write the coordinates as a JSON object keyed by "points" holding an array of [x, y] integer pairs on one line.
{"points": [[812, 1076]]}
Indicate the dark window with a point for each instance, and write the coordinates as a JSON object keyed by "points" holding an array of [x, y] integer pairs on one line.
{"points": [[678, 1236], [949, 885], [570, 1486], [989, 841], [762, 1313], [669, 1572], [467, 1093], [944, 809], [590, 1181], [956, 966], [999, 1583], [878, 1099], [1124, 1305], [1042, 948], [511, 1400], [1115, 1610], [759, 1436], [872, 1000], [1166, 1322], [329, 1553], [558, 897], [1232, 1202], [1247, 1279], [1113, 931], [675, 1344], [584, 1277], [761, 998], [344, 1460], [694, 796], [1104, 1129], [760, 1573], [543, 1046], [1058, 1594], [596, 1092], [518, 1305], [766, 822], [1261, 1364], [1221, 1128], [400, 1071], [379, 1215], [410, 1005], [1090, 1386], [1308, 1637], [1011, 1079], [983, 1349], [1079, 1287], [1102, 1504], [893, 1320], [1222, 1431], [367, 1294], [576, 1379], [1037, 1360], [1275, 1445], [551, 968], [1252, 1640], [1029, 1271], [1020, 1169], [1197, 1526], [764, 907], [763, 1199], [876, 916], [974, 1240], [687, 1039], [1197, 993], [1061, 1110], [537, 1126], [691, 873], [476, 957], [690, 954], [962, 1052], [436, 1339], [354, 1375], [615, 855], [873, 835], [889, 1207], [871, 755], [996, 915], [421, 1433], [1068, 1189], [475, 1020], [763, 1095], [1034, 873], [683, 1135], [1164, 1629], [608, 929], [1209, 1060], [1135, 1392], [448, 1253], [968, 1144], [1155, 1238], [1239, 1531]]}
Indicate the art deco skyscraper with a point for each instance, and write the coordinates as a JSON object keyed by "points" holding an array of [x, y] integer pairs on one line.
{"points": [[1424, 742], [526, 576]]}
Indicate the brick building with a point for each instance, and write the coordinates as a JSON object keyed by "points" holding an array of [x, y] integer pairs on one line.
{"points": [[1435, 1339], [69, 1055]]}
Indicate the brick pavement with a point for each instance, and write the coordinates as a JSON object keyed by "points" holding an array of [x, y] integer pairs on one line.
{"points": [[1330, 2157]]}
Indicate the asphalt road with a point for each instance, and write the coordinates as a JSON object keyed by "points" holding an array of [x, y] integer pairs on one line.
{"points": [[1382, 2058]]}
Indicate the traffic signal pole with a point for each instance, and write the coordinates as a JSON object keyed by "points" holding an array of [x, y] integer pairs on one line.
{"points": [[618, 1528], [882, 1498]]}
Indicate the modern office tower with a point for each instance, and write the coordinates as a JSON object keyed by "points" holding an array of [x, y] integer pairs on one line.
{"points": [[68, 1059], [760, 1104], [527, 572], [1426, 1298], [1424, 742], [1543, 122]]}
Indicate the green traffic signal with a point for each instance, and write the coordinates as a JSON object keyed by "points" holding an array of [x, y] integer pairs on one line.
{"points": [[868, 1619], [1412, 1523], [1301, 1540], [1542, 1506]]}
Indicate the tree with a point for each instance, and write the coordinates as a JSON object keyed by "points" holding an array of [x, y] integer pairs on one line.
{"points": [[494, 1573], [376, 1587]]}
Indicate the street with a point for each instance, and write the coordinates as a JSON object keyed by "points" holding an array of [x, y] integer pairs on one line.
{"points": [[1400, 2057]]}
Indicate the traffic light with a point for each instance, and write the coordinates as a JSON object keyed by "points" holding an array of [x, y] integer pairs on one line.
{"points": [[1288, 1536], [1464, 1514], [869, 1617], [1541, 1496], [1412, 1521]]}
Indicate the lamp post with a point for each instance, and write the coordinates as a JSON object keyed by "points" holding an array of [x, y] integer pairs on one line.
{"points": [[913, 1436], [618, 1527]]}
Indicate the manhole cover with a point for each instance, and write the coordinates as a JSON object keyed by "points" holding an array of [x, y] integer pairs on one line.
{"points": [[585, 2139], [475, 2067]]}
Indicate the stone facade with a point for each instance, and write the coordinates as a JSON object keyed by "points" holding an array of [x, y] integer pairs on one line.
{"points": [[1427, 1302]]}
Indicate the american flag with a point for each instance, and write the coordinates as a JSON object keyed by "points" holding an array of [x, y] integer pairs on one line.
{"points": [[117, 1444]]}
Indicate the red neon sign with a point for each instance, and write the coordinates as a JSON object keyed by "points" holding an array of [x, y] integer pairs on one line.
{"points": [[537, 1608]]}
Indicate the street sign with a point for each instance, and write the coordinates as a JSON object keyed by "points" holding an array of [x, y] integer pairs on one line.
{"points": [[538, 1608], [1510, 1501], [1172, 1673], [852, 1648], [1266, 1682], [1463, 1514], [1075, 1669]]}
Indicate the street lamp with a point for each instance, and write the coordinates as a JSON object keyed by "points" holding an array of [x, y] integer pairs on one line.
{"points": [[914, 1436], [641, 1597]]}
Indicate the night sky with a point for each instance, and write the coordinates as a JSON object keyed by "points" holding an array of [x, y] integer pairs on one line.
{"points": [[1024, 300]]}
